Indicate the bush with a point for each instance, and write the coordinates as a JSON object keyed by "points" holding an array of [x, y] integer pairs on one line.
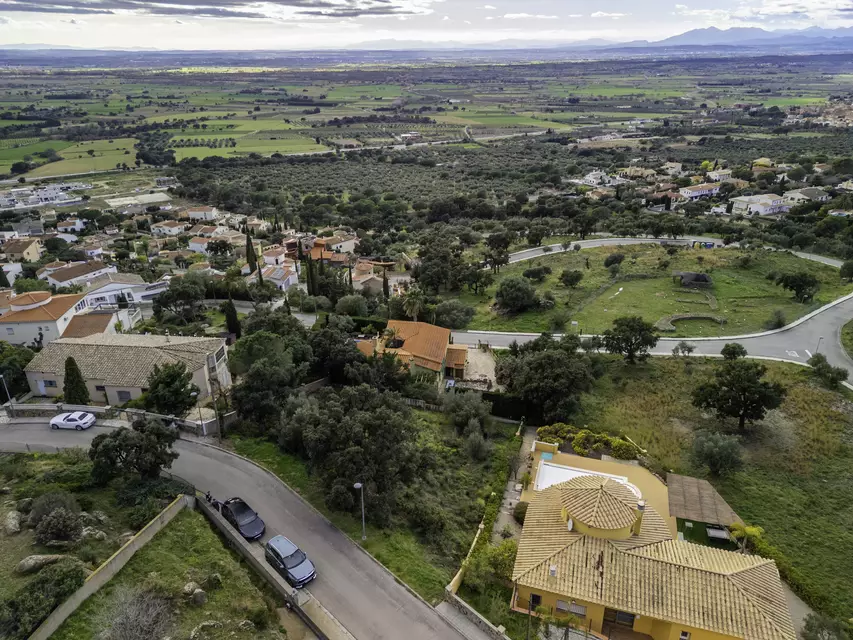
{"points": [[622, 449], [354, 305], [476, 446], [515, 295], [614, 258], [28, 608], [464, 407], [453, 314], [721, 453], [829, 375], [537, 274], [143, 514], [44, 505], [519, 512], [59, 524], [775, 321], [134, 614]]}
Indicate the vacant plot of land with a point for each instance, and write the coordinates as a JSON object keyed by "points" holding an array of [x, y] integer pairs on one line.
{"points": [[96, 155], [186, 550], [797, 481], [742, 293]]}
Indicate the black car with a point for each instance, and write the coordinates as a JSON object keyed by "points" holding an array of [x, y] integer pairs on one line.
{"points": [[243, 518], [290, 561]]}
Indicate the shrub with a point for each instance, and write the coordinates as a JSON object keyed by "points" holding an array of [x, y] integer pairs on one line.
{"points": [[614, 258], [829, 375], [537, 274], [515, 295], [721, 453], [354, 305], [559, 319], [59, 524], [141, 515], [556, 433], [519, 512], [27, 608], [44, 505], [622, 449], [476, 446], [775, 321], [453, 314], [134, 614], [463, 407], [583, 441], [614, 270]]}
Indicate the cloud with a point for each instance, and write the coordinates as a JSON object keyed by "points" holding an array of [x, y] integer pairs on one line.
{"points": [[489, 7], [226, 8], [575, 15], [528, 16], [604, 14], [446, 18]]}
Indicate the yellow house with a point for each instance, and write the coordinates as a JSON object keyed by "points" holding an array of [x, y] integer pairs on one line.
{"points": [[593, 548]]}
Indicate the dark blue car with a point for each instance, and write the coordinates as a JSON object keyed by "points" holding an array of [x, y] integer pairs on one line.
{"points": [[290, 561], [243, 518]]}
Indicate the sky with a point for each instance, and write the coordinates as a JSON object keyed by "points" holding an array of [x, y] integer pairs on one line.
{"points": [[310, 24]]}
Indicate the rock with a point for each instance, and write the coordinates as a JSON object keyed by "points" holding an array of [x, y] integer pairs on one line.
{"points": [[100, 516], [25, 505], [199, 597], [196, 633], [213, 581], [31, 564], [190, 587], [91, 532], [246, 625], [12, 523], [5, 490], [59, 544]]}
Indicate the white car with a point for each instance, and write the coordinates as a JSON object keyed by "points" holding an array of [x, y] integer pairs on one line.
{"points": [[77, 420]]}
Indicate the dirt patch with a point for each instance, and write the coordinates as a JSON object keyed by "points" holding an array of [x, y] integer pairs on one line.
{"points": [[480, 369]]}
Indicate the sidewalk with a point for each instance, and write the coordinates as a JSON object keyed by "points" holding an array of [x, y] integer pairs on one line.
{"points": [[511, 496]]}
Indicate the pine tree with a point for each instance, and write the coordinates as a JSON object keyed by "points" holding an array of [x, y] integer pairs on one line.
{"points": [[309, 276], [251, 258], [386, 290], [4, 280], [232, 321], [75, 390]]}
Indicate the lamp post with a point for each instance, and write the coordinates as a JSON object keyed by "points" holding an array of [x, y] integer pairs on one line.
{"points": [[359, 486], [8, 395], [817, 349]]}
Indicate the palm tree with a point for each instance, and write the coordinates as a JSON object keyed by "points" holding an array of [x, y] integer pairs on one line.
{"points": [[746, 535], [414, 302]]}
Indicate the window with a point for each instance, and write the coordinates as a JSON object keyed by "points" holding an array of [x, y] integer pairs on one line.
{"points": [[50, 383], [220, 354], [10, 331], [577, 609], [123, 396], [100, 387], [535, 600], [562, 606], [685, 635], [47, 329]]}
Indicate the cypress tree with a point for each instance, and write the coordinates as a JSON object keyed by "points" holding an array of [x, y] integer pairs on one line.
{"points": [[386, 290], [251, 258], [74, 390], [4, 280], [232, 321], [309, 277]]}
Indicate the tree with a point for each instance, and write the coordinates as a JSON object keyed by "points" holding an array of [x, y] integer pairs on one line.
{"points": [[219, 248], [232, 320], [251, 258], [386, 290], [738, 391], [632, 337], [831, 376], [453, 314], [536, 234], [733, 351], [846, 270], [170, 390], [746, 535], [571, 277], [820, 627], [4, 280], [183, 298], [804, 285], [267, 383], [614, 258], [414, 302], [465, 407], [144, 449], [353, 305], [683, 348], [74, 391], [12, 362], [516, 294], [719, 452], [25, 285]]}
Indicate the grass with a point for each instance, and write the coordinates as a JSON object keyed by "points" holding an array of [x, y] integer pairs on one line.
{"points": [[186, 549], [76, 158], [460, 490], [797, 479], [847, 337], [493, 604], [744, 296]]}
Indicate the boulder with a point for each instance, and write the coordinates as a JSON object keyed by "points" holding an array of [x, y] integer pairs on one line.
{"points": [[213, 581], [12, 523], [25, 505], [190, 587], [198, 632], [246, 625], [5, 490], [31, 564], [60, 544], [91, 532], [199, 597], [100, 516]]}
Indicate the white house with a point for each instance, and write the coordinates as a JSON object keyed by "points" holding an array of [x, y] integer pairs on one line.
{"points": [[71, 225], [596, 179], [847, 185], [672, 168], [168, 228], [808, 194], [282, 277], [38, 317], [696, 191], [80, 273], [275, 255], [8, 235], [340, 244], [208, 231], [718, 175], [93, 250], [204, 214], [112, 288], [199, 245], [765, 204]]}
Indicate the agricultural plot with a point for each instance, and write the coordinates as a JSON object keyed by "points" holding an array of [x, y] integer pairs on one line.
{"points": [[97, 155]]}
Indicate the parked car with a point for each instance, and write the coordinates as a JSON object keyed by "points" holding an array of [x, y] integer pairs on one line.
{"points": [[243, 518], [290, 561], [76, 420]]}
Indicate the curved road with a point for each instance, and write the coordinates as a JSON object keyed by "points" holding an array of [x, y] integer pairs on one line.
{"points": [[798, 341], [364, 598]]}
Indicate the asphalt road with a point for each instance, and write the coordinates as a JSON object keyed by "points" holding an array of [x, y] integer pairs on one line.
{"points": [[798, 341], [356, 590]]}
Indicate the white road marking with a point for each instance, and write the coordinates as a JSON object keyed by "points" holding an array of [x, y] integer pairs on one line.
{"points": [[793, 354], [808, 353]]}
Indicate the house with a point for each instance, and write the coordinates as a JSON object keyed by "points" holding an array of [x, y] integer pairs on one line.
{"points": [[117, 367], [114, 289], [207, 231], [283, 277], [691, 279], [12, 270], [369, 283], [423, 348], [204, 214], [29, 227], [71, 225], [199, 245], [39, 317], [92, 322], [168, 228], [672, 168], [692, 502], [808, 194], [599, 543], [255, 225], [703, 190], [847, 185], [718, 175], [765, 163], [339, 244], [23, 250], [93, 250], [5, 236], [596, 179], [332, 258], [80, 273], [764, 204]]}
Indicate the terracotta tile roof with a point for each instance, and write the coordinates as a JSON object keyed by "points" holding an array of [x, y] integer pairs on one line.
{"points": [[168, 223], [115, 278], [601, 503], [18, 245], [123, 359], [365, 346], [87, 324], [198, 240], [77, 270], [652, 575], [457, 355], [697, 500], [52, 310], [426, 343]]}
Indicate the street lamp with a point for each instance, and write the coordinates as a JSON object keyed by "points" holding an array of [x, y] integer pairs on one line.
{"points": [[817, 349], [360, 487], [8, 395]]}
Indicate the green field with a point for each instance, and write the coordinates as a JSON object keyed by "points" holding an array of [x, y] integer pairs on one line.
{"points": [[76, 158], [742, 295]]}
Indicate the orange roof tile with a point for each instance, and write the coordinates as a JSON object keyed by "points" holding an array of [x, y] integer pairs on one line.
{"points": [[87, 324], [52, 310], [426, 343]]}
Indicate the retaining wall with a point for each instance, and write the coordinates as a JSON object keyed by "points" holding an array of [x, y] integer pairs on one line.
{"points": [[110, 567], [497, 633]]}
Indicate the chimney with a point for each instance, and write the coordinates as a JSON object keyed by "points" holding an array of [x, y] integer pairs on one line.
{"points": [[552, 571], [638, 523]]}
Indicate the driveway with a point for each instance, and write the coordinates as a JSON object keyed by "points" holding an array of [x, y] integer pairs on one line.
{"points": [[365, 598]]}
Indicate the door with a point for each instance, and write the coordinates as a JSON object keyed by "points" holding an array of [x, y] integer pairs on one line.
{"points": [[620, 618], [42, 391]]}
